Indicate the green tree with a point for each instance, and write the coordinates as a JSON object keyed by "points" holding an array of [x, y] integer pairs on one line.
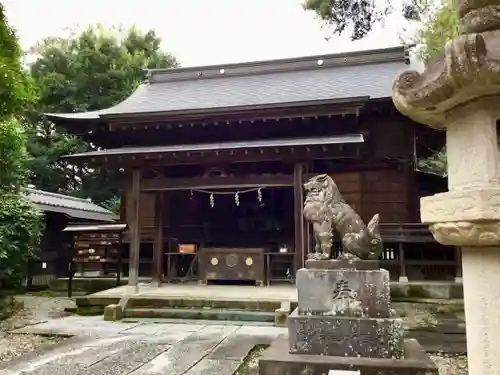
{"points": [[440, 27], [94, 69], [20, 221]]}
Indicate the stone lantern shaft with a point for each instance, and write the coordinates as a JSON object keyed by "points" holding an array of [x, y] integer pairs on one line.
{"points": [[460, 92]]}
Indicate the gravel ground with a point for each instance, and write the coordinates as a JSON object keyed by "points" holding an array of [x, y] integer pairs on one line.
{"points": [[35, 309]]}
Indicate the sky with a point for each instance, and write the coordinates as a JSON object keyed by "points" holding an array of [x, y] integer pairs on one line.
{"points": [[199, 32]]}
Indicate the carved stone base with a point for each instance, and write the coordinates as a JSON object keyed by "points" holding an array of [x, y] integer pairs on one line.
{"points": [[344, 292], [336, 264], [345, 336], [278, 361], [462, 205]]}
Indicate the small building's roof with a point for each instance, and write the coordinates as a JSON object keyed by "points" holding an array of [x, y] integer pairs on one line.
{"points": [[98, 227], [249, 85], [77, 208], [219, 146]]}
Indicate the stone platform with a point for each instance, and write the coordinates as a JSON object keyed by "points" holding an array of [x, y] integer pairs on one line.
{"points": [[278, 361], [345, 336]]}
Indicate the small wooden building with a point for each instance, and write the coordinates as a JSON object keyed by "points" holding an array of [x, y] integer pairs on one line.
{"points": [[54, 254], [213, 160]]}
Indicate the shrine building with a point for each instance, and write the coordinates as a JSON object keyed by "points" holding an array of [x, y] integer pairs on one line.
{"points": [[212, 162]]}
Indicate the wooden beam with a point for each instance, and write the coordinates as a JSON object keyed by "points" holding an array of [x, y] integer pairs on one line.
{"points": [[158, 245], [135, 234], [250, 181], [229, 182], [298, 209]]}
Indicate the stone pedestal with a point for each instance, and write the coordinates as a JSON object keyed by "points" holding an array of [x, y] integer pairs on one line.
{"points": [[344, 292], [344, 320], [345, 336]]}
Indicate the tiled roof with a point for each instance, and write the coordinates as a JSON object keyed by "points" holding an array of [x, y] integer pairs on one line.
{"points": [[71, 206], [307, 79], [286, 142]]}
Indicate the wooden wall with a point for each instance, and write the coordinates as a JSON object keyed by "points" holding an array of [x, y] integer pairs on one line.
{"points": [[146, 214], [385, 192]]}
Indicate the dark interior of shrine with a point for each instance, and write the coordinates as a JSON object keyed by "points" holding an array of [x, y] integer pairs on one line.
{"points": [[231, 218]]}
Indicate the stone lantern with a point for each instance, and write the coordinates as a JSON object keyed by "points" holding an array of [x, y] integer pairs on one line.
{"points": [[460, 92]]}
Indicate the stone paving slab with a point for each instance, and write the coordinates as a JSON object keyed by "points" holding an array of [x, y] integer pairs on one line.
{"points": [[214, 367], [77, 326], [159, 329], [187, 352], [234, 347], [113, 348]]}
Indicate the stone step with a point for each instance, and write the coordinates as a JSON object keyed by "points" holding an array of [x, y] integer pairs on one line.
{"points": [[197, 321], [200, 314], [201, 303]]}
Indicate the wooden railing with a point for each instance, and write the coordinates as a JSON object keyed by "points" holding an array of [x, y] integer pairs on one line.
{"points": [[405, 232]]}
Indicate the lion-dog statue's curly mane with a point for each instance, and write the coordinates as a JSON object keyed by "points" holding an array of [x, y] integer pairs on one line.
{"points": [[326, 210]]}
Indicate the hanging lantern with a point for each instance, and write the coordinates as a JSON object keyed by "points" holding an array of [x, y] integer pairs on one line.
{"points": [[259, 195], [212, 200], [237, 198]]}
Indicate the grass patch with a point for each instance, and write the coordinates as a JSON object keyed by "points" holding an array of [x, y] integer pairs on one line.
{"points": [[250, 365], [43, 293]]}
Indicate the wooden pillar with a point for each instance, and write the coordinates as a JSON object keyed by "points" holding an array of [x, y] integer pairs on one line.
{"points": [[307, 226], [298, 209], [458, 260], [135, 230], [402, 264], [158, 244]]}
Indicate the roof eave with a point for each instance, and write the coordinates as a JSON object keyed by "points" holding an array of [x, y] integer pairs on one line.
{"points": [[78, 214], [349, 103]]}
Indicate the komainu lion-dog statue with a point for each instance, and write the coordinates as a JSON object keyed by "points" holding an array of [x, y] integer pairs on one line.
{"points": [[325, 208]]}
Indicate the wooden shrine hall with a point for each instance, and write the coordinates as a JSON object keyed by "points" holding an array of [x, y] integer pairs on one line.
{"points": [[212, 161]]}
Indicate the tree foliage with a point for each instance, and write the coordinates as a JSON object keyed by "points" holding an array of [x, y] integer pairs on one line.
{"points": [[90, 70], [440, 27], [20, 228], [16, 88], [19, 220], [357, 17]]}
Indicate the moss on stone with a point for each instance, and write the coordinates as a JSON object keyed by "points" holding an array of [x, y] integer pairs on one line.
{"points": [[250, 364], [397, 293], [417, 291], [90, 310]]}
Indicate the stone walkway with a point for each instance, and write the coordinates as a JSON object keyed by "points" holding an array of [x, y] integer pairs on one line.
{"points": [[115, 348]]}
